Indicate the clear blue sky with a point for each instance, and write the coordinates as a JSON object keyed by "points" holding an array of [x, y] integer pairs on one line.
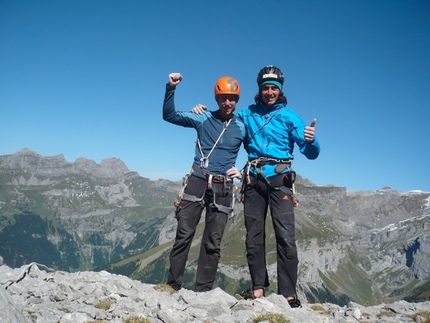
{"points": [[86, 78]]}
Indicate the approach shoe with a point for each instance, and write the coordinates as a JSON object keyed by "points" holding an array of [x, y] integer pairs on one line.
{"points": [[247, 295], [295, 302]]}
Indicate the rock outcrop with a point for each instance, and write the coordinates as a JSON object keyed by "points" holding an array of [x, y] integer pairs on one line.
{"points": [[35, 293]]}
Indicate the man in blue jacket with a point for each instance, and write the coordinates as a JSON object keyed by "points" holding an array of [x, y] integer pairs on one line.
{"points": [[210, 183], [272, 129]]}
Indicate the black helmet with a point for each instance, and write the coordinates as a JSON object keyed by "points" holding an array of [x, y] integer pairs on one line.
{"points": [[270, 73]]}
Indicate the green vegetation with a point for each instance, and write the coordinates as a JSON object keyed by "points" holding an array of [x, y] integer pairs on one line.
{"points": [[65, 310], [136, 319], [131, 319], [421, 294], [421, 317], [26, 241], [164, 288], [272, 318], [104, 304], [386, 313], [320, 309], [325, 295]]}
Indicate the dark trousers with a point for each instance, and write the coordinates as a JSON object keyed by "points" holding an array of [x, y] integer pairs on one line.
{"points": [[258, 196], [188, 218]]}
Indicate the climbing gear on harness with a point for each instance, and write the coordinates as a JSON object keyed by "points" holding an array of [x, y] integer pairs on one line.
{"points": [[282, 164], [178, 201], [289, 179], [211, 178], [234, 200], [204, 161]]}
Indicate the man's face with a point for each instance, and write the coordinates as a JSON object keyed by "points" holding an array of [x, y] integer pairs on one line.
{"points": [[227, 104], [270, 94]]}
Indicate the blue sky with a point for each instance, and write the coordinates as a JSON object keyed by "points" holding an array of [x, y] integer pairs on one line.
{"points": [[87, 79]]}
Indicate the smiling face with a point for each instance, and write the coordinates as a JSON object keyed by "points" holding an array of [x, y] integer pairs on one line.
{"points": [[269, 94], [227, 105]]}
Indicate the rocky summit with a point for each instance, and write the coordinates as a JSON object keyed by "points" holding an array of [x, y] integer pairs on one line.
{"points": [[36, 293]]}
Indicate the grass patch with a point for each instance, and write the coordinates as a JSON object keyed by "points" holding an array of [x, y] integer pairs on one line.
{"points": [[131, 319], [164, 288], [386, 313], [65, 310], [104, 305], [320, 309], [272, 318], [422, 317], [136, 319]]}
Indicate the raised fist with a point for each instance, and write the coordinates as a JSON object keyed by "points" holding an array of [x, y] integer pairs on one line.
{"points": [[175, 79]]}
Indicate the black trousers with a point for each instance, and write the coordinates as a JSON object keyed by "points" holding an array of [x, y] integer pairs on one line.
{"points": [[258, 197], [188, 218]]}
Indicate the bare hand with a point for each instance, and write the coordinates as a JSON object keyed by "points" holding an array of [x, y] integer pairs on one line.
{"points": [[175, 79], [199, 109], [234, 173], [310, 131]]}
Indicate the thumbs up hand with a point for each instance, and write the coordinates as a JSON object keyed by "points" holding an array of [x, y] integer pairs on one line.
{"points": [[310, 131]]}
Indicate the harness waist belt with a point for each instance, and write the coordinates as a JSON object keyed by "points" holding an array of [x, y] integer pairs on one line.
{"points": [[269, 161], [204, 174]]}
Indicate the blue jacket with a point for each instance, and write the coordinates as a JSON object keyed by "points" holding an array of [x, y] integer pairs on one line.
{"points": [[276, 138], [208, 126]]}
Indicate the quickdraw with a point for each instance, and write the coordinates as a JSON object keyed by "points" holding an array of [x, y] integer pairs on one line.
{"points": [[178, 201]]}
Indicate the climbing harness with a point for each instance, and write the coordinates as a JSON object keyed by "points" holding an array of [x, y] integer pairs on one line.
{"points": [[210, 178], [282, 164]]}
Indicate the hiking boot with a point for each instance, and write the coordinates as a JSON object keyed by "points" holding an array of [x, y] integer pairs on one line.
{"points": [[295, 302], [247, 295]]}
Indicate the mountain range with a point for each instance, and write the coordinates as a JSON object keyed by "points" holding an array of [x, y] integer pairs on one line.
{"points": [[369, 247]]}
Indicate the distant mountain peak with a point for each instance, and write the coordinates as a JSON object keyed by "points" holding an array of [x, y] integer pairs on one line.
{"points": [[54, 166]]}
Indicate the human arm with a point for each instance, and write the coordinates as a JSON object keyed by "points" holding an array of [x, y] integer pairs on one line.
{"points": [[311, 147], [186, 119]]}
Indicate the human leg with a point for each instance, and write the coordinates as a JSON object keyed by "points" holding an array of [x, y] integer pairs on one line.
{"points": [[210, 249], [187, 219], [255, 210], [282, 212]]}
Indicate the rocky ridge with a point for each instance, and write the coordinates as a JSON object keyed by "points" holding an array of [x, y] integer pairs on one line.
{"points": [[35, 293]]}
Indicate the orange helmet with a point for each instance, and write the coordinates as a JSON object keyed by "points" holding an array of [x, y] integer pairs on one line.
{"points": [[227, 85]]}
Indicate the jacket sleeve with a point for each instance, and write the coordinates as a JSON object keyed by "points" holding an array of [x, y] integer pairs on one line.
{"points": [[180, 118], [310, 149]]}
